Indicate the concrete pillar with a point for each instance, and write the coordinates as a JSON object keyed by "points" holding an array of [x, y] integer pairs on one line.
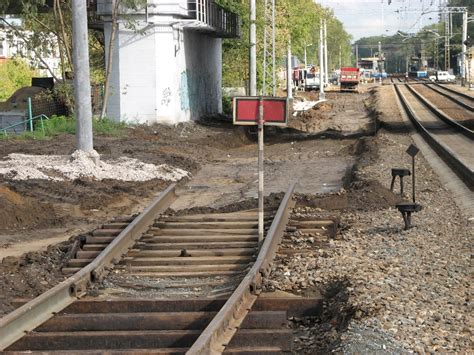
{"points": [[164, 75]]}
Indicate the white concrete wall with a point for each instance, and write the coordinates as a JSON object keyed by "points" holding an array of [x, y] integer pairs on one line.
{"points": [[165, 75]]}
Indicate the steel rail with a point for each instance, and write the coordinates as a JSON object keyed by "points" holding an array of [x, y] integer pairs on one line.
{"points": [[466, 96], [219, 332], [450, 97], [34, 313], [440, 114], [465, 173]]}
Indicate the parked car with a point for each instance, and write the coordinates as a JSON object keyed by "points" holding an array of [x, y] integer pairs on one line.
{"points": [[443, 76]]}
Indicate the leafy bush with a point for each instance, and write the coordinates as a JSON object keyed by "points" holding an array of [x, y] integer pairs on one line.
{"points": [[14, 74], [227, 105]]}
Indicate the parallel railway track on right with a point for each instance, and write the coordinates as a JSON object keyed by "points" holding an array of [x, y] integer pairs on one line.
{"points": [[451, 141], [459, 98]]}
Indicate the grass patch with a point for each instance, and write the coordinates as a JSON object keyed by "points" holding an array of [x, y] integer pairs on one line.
{"points": [[57, 125]]}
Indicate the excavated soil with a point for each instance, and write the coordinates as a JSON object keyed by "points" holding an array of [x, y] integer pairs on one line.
{"points": [[37, 213], [343, 114]]}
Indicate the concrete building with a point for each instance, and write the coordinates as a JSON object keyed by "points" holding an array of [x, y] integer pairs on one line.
{"points": [[167, 67], [14, 45]]}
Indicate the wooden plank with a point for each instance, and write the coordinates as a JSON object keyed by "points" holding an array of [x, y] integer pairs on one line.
{"points": [[199, 239], [79, 262], [193, 252], [93, 247], [140, 339], [99, 240], [106, 232], [187, 274], [190, 260], [203, 231], [195, 245], [82, 254], [185, 268], [115, 225], [106, 340], [154, 321], [207, 225]]}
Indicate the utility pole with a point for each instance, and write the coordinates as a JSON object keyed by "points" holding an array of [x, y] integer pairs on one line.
{"points": [[253, 48], [447, 37], [340, 56], [326, 70], [269, 65], [289, 84], [357, 56], [305, 58], [321, 62], [380, 62], [464, 48], [82, 85]]}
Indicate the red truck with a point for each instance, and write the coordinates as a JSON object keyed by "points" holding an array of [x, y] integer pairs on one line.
{"points": [[349, 78]]}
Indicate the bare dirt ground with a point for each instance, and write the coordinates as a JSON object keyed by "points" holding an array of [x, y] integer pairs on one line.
{"points": [[385, 290], [220, 157], [341, 114]]}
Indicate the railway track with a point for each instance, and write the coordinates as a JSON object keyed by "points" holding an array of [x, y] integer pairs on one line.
{"points": [[455, 96], [453, 142], [169, 255]]}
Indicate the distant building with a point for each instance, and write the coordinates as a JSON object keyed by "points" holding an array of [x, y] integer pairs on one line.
{"points": [[368, 64], [13, 44]]}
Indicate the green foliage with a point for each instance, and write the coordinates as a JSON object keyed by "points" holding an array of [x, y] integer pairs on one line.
{"points": [[65, 125], [227, 104], [14, 74], [297, 21], [58, 125], [108, 127], [64, 92]]}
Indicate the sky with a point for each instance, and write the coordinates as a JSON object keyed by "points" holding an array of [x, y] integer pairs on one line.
{"points": [[363, 18]]}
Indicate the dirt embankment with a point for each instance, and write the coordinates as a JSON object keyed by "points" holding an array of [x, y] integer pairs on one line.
{"points": [[86, 203]]}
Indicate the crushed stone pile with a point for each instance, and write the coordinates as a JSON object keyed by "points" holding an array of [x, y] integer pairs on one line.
{"points": [[85, 165]]}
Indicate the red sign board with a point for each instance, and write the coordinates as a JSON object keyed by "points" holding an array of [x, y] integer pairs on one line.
{"points": [[275, 110]]}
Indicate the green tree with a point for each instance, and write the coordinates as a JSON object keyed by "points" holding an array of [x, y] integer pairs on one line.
{"points": [[295, 20], [14, 74]]}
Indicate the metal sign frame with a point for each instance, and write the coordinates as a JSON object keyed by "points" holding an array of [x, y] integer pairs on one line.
{"points": [[267, 110]]}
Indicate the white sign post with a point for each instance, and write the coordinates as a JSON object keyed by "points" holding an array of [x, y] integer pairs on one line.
{"points": [[261, 197], [261, 111]]}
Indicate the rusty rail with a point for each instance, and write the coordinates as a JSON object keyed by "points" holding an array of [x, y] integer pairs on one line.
{"points": [[225, 324], [32, 314]]}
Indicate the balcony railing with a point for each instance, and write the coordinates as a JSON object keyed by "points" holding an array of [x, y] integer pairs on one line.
{"points": [[203, 15], [224, 22]]}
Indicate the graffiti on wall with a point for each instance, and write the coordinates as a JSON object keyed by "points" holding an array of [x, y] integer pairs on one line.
{"points": [[166, 97], [184, 91]]}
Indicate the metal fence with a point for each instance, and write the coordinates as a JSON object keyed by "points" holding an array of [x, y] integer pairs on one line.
{"points": [[222, 22], [225, 23]]}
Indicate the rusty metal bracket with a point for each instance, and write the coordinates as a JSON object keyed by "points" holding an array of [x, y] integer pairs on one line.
{"points": [[34, 313], [219, 333]]}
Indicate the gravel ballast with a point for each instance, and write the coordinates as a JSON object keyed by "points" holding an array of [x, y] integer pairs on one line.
{"points": [[407, 289]]}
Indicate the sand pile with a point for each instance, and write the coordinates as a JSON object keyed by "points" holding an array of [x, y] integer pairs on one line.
{"points": [[84, 165]]}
